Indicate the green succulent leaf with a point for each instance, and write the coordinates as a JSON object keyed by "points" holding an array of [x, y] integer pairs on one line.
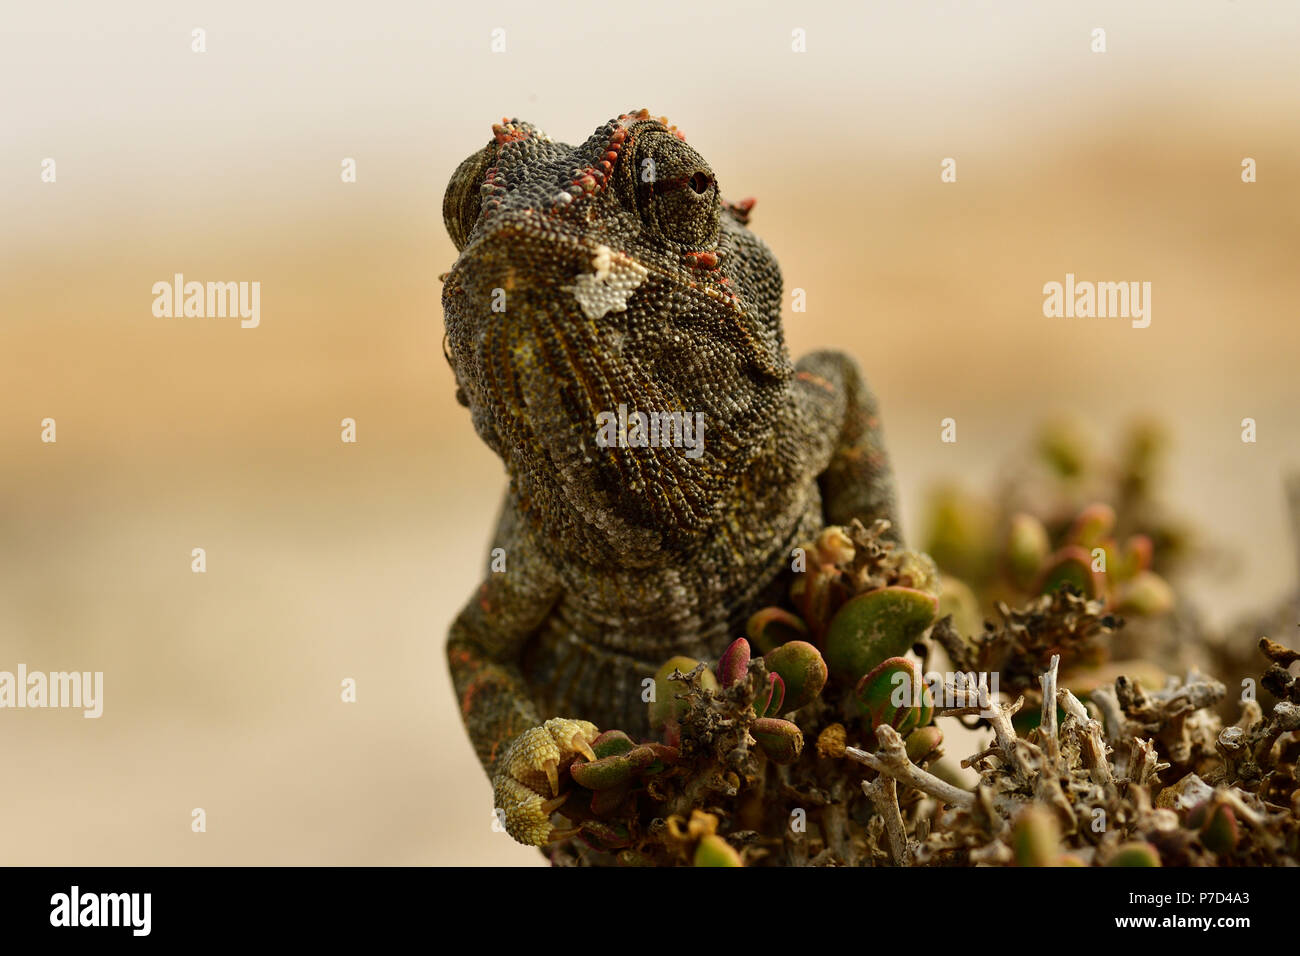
{"points": [[666, 706], [1027, 548], [715, 851], [1036, 839], [875, 626], [1220, 832], [734, 664], [613, 770], [1137, 853], [922, 742], [771, 698], [894, 693], [801, 667], [1092, 525], [773, 626], [1071, 565], [780, 739], [611, 743]]}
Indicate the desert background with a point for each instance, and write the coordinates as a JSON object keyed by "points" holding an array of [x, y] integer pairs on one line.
{"points": [[328, 561]]}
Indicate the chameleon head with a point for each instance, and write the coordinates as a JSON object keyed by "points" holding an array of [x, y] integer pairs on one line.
{"points": [[614, 329]]}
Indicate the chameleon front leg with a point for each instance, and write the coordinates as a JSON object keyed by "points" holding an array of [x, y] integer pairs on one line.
{"points": [[522, 755], [857, 481]]}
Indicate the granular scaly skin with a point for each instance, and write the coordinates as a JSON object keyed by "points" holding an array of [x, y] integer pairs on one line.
{"points": [[609, 274]]}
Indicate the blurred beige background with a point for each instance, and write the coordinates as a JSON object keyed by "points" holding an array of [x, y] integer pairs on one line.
{"points": [[328, 561]]}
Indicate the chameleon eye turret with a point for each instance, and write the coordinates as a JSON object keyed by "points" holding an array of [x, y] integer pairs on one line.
{"points": [[461, 201]]}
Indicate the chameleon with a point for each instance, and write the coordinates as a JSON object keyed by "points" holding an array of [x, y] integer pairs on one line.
{"points": [[605, 282]]}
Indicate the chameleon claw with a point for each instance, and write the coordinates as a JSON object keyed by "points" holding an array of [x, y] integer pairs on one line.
{"points": [[526, 785], [559, 836], [553, 804], [573, 735]]}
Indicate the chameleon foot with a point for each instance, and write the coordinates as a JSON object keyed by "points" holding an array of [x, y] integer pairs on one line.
{"points": [[526, 785]]}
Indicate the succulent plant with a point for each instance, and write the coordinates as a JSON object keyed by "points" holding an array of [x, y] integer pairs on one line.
{"points": [[667, 706], [1036, 839], [619, 760], [962, 532], [1136, 853], [781, 740], [794, 675], [1027, 548], [773, 626], [894, 694], [1177, 783], [802, 671], [875, 626], [1072, 566], [1217, 824], [712, 850], [844, 562], [699, 837], [734, 663], [771, 698], [1068, 516], [1093, 562], [923, 743]]}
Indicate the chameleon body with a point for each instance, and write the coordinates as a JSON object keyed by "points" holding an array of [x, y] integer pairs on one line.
{"points": [[604, 275]]}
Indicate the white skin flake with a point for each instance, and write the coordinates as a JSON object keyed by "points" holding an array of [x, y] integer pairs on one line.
{"points": [[609, 285]]}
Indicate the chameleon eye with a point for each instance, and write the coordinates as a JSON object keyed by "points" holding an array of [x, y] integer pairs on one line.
{"points": [[686, 209], [680, 198]]}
